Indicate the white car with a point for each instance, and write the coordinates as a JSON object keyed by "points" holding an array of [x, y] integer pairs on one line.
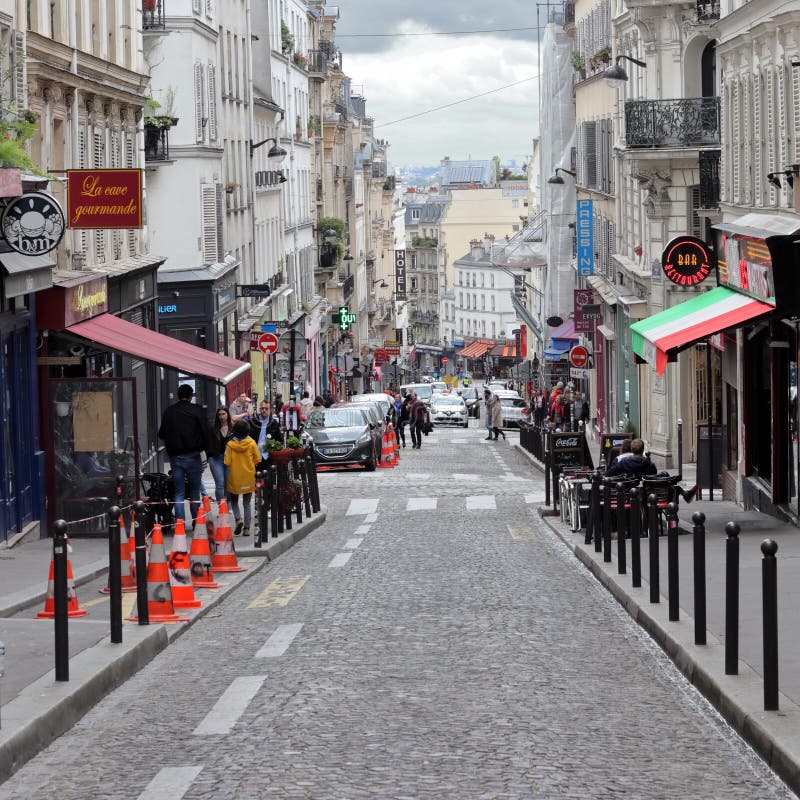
{"points": [[449, 409]]}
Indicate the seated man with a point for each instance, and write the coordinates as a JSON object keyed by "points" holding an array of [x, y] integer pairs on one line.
{"points": [[636, 465]]}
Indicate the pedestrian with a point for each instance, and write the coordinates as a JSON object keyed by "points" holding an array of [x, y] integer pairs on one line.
{"points": [[487, 403], [418, 419], [242, 456], [241, 408], [185, 433], [327, 398], [306, 403], [556, 413], [221, 433], [278, 404], [637, 465], [264, 426], [403, 418], [316, 417], [497, 417], [291, 417]]}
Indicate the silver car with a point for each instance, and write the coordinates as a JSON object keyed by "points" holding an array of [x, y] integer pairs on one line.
{"points": [[515, 409], [449, 409]]}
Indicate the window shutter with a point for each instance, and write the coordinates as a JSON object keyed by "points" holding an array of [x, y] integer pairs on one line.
{"points": [[612, 243], [212, 103], [796, 113], [591, 155], [580, 177], [98, 162], [220, 221], [208, 194], [601, 164], [726, 133], [130, 163], [771, 150], [737, 143], [198, 102], [196, 6], [747, 152], [694, 224], [82, 238], [758, 143], [20, 82], [783, 133], [209, 8], [116, 163]]}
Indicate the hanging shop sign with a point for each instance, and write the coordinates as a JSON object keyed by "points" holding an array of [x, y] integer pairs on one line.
{"points": [[585, 238], [104, 198], [33, 224], [72, 300], [688, 261], [400, 274], [344, 319], [581, 298]]}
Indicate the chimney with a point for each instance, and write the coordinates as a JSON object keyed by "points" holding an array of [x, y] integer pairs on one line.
{"points": [[477, 249]]}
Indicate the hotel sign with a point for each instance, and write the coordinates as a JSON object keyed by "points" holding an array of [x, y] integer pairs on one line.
{"points": [[585, 236], [104, 198], [400, 274]]}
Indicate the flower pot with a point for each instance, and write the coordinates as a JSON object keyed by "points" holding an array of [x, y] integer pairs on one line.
{"points": [[286, 455]]}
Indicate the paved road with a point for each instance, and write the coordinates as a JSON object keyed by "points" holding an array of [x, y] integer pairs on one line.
{"points": [[432, 640]]}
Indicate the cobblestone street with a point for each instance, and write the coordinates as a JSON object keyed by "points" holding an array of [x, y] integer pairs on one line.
{"points": [[432, 640]]}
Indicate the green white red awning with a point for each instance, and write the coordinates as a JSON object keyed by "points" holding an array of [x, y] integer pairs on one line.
{"points": [[654, 338]]}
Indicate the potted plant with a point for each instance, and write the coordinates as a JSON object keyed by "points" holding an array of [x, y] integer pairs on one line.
{"points": [[16, 128], [603, 56], [287, 39], [280, 452], [578, 62]]}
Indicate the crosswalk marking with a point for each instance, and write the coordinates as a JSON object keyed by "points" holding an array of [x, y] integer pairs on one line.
{"points": [[464, 476], [170, 783], [362, 506], [480, 502], [230, 707], [340, 559], [421, 504], [371, 518], [280, 640], [361, 530], [535, 497], [352, 544], [521, 532], [279, 593]]}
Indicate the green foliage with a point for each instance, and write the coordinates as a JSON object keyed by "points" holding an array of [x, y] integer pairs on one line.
{"points": [[340, 227], [287, 39], [315, 125], [272, 444], [420, 241], [577, 60], [293, 442], [15, 130]]}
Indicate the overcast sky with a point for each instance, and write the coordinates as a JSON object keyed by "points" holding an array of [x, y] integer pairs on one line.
{"points": [[405, 75]]}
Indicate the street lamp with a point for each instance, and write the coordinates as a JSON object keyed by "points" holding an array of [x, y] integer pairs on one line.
{"points": [[382, 282], [615, 76], [557, 180], [276, 151]]}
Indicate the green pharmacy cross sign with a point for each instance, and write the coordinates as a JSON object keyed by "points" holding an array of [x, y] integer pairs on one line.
{"points": [[344, 318]]}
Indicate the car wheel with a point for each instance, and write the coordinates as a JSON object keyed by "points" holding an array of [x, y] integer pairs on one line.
{"points": [[465, 425], [370, 465]]}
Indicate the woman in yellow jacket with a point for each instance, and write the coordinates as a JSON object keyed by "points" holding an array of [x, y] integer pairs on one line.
{"points": [[241, 458]]}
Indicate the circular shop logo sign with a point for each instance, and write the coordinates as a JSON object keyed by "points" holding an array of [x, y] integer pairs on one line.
{"points": [[33, 224], [688, 261]]}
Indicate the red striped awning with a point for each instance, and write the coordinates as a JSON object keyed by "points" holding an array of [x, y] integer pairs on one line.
{"points": [[507, 350], [477, 348], [565, 331]]}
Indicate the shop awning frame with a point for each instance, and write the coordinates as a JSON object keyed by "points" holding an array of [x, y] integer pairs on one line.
{"points": [[142, 343], [476, 349], [26, 274], [658, 337]]}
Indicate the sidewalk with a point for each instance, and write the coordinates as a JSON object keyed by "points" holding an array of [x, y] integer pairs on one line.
{"points": [[739, 698], [34, 709]]}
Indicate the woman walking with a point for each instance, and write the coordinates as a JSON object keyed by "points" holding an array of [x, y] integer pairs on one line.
{"points": [[487, 402], [241, 457], [497, 418], [221, 434]]}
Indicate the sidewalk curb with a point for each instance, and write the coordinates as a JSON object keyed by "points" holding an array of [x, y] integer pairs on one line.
{"points": [[45, 709], [522, 451], [774, 735]]}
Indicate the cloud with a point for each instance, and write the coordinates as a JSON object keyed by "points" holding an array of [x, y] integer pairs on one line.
{"points": [[408, 78]]}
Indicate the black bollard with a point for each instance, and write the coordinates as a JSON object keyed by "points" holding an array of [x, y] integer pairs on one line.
{"points": [[587, 539], [672, 562], [120, 479], [60, 599], [313, 483], [652, 529], [296, 477], [607, 522], [732, 599], [769, 589], [114, 575], [259, 509], [622, 530], [597, 513], [302, 468], [699, 542], [140, 537], [636, 537]]}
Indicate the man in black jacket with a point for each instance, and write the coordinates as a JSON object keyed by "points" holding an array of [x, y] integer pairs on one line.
{"points": [[185, 433], [264, 426], [636, 466]]}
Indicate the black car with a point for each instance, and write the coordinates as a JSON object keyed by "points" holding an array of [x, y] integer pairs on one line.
{"points": [[345, 437]]}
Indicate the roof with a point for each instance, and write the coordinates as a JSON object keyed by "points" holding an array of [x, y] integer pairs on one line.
{"points": [[760, 226], [455, 173], [477, 348], [431, 211]]}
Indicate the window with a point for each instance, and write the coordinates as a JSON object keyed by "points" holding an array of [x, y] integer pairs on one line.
{"points": [[413, 261], [483, 302], [199, 105], [515, 228], [492, 302], [473, 279], [492, 281], [515, 204], [460, 278], [415, 213], [494, 330]]}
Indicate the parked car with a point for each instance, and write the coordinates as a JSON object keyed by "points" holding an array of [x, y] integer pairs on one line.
{"points": [[449, 409], [346, 437], [423, 390], [472, 399], [385, 401], [439, 386], [515, 409]]}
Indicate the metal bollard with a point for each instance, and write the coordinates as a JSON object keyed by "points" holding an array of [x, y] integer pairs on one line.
{"points": [[2, 672], [140, 537], [652, 530], [259, 507], [587, 539], [60, 599], [313, 483], [607, 522], [622, 560], [769, 589], [120, 479], [732, 599], [114, 575], [597, 513], [672, 562], [636, 537], [699, 542], [302, 466]]}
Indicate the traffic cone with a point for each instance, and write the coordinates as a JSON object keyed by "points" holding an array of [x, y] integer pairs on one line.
{"points": [[223, 553], [387, 451], [211, 519], [159, 595], [127, 566], [200, 556], [395, 446], [73, 609], [180, 574]]}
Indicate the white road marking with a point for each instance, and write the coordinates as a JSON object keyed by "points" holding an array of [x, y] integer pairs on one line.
{"points": [[280, 640], [464, 476], [362, 506], [340, 559], [513, 477], [361, 530], [352, 544], [418, 476], [170, 783], [421, 504], [459, 441], [371, 518], [534, 498], [481, 501], [233, 703]]}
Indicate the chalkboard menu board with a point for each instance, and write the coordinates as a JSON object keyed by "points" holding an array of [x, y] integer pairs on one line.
{"points": [[568, 449], [609, 440]]}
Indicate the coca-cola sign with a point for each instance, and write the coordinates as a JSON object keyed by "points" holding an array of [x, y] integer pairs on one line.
{"points": [[561, 443]]}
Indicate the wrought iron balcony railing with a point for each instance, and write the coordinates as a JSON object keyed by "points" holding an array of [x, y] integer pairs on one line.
{"points": [[156, 144], [685, 122], [317, 61], [709, 178], [153, 15], [348, 285], [707, 12], [378, 169]]}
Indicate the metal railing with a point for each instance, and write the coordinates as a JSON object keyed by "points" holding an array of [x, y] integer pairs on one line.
{"points": [[153, 15], [707, 12], [156, 144], [685, 122], [317, 61], [709, 178], [348, 285]]}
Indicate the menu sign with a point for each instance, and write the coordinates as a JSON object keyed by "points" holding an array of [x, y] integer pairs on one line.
{"points": [[748, 267]]}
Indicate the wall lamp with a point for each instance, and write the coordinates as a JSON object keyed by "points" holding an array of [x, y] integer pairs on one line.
{"points": [[382, 282], [276, 151], [557, 179], [789, 173], [616, 75]]}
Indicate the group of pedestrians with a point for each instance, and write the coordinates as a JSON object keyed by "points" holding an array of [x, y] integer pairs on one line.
{"points": [[412, 411], [493, 415]]}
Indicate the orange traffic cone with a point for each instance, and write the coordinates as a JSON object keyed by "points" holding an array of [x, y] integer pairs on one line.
{"points": [[223, 553], [211, 519], [126, 565], [387, 451], [395, 446], [180, 574], [200, 556], [73, 609], [159, 595]]}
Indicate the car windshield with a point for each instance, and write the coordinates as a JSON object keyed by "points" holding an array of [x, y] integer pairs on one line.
{"points": [[335, 418], [422, 391], [439, 386], [447, 400], [371, 398]]}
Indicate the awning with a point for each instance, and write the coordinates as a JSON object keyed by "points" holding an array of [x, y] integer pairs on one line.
{"points": [[606, 333], [760, 226], [655, 337], [507, 350], [565, 331], [603, 288], [26, 274], [139, 342], [476, 349], [553, 354]]}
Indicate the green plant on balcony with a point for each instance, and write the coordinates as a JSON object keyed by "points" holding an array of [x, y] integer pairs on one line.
{"points": [[300, 60], [423, 241], [578, 61], [16, 128], [287, 39], [152, 119], [315, 125], [602, 56], [340, 229]]}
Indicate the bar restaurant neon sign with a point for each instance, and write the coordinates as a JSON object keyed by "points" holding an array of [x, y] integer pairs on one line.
{"points": [[688, 261]]}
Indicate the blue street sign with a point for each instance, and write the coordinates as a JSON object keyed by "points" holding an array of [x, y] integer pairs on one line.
{"points": [[585, 237]]}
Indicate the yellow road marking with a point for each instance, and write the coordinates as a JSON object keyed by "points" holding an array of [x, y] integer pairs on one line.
{"points": [[95, 602], [279, 592], [128, 604], [521, 533]]}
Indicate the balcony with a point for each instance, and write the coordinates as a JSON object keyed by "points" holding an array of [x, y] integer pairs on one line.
{"points": [[425, 317], [709, 178], [683, 123], [156, 143], [421, 241], [378, 170], [348, 285], [317, 62], [707, 12], [389, 184], [153, 15]]}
